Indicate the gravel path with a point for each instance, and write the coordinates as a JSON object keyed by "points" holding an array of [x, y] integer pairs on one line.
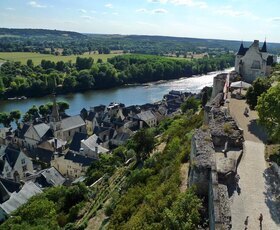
{"points": [[257, 182]]}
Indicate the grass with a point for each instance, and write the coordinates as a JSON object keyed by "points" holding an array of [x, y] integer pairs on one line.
{"points": [[37, 57]]}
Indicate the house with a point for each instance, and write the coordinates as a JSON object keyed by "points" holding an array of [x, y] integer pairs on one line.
{"points": [[6, 188], [17, 199], [47, 178], [72, 165], [19, 135], [36, 134], [148, 117], [105, 134], [54, 145], [120, 139], [14, 164], [91, 121], [91, 147], [65, 128], [253, 62], [6, 135], [76, 141]]}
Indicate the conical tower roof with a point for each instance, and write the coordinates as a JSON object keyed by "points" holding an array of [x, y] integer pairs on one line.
{"points": [[264, 49], [241, 50]]}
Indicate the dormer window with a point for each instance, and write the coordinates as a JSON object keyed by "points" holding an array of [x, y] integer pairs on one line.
{"points": [[23, 161]]}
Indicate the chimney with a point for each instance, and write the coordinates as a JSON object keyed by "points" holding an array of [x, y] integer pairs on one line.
{"points": [[55, 143], [96, 149], [256, 43]]}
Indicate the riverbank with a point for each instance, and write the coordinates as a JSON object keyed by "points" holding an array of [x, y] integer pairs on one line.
{"points": [[129, 95]]}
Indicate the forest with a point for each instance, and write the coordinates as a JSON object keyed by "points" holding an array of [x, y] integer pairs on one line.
{"points": [[48, 41], [18, 79]]}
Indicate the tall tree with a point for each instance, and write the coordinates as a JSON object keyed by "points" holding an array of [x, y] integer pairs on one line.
{"points": [[268, 108]]}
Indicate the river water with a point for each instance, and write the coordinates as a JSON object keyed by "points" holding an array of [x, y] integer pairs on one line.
{"points": [[129, 95]]}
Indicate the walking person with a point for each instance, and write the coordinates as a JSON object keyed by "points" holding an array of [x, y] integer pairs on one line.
{"points": [[246, 222], [261, 219]]}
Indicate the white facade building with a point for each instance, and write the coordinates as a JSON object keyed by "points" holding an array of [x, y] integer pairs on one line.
{"points": [[253, 62]]}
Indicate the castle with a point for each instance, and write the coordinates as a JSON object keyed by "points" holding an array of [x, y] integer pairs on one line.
{"points": [[253, 62]]}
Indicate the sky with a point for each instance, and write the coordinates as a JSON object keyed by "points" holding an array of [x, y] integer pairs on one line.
{"points": [[220, 19]]}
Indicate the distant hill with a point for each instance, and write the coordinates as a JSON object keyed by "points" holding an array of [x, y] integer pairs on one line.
{"points": [[42, 40], [39, 33]]}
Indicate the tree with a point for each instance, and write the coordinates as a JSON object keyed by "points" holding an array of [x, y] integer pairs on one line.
{"points": [[44, 110], [143, 143], [5, 119], [184, 213], [30, 63], [260, 85], [83, 63], [69, 82], [15, 115], [63, 106], [190, 103], [268, 108]]}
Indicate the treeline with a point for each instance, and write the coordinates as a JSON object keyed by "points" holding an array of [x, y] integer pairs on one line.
{"points": [[18, 79]]}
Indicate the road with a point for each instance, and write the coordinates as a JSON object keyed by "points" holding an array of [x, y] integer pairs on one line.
{"points": [[257, 182]]}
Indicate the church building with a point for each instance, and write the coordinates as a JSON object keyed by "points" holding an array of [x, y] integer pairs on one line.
{"points": [[253, 62]]}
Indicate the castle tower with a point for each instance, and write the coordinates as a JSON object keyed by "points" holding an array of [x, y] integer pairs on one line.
{"points": [[264, 49], [238, 56]]}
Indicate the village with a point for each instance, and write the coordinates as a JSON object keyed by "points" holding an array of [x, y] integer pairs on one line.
{"points": [[57, 150]]}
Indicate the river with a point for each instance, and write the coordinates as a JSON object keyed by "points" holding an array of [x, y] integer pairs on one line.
{"points": [[129, 95]]}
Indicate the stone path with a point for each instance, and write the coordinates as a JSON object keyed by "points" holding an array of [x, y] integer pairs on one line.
{"points": [[257, 182]]}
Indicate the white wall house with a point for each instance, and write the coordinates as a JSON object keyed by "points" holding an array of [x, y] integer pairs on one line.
{"points": [[15, 164], [253, 62]]}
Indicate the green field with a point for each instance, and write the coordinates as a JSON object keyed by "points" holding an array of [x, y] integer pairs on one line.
{"points": [[37, 57]]}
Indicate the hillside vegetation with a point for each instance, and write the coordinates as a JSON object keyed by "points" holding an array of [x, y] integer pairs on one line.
{"points": [[144, 194]]}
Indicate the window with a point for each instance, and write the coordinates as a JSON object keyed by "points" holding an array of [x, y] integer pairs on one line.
{"points": [[24, 168], [69, 133], [23, 161]]}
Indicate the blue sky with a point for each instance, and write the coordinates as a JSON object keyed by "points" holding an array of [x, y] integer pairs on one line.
{"points": [[224, 19]]}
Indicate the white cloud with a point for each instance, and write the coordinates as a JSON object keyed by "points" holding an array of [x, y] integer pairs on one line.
{"points": [[87, 17], [155, 11], [10, 9], [142, 10], [109, 5], [160, 11], [36, 4], [83, 11], [158, 1], [230, 11], [275, 19], [189, 3]]}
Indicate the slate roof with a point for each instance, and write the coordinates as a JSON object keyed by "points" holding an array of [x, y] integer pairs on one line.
{"points": [[28, 190], [146, 115], [122, 136], [77, 158], [10, 185], [92, 143], [242, 50], [41, 129], [48, 177], [72, 122], [11, 156], [20, 132], [43, 155], [76, 141], [91, 115]]}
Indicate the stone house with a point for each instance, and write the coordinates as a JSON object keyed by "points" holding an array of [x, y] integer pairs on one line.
{"points": [[253, 62], [91, 147], [36, 134], [148, 117], [14, 164], [71, 164]]}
